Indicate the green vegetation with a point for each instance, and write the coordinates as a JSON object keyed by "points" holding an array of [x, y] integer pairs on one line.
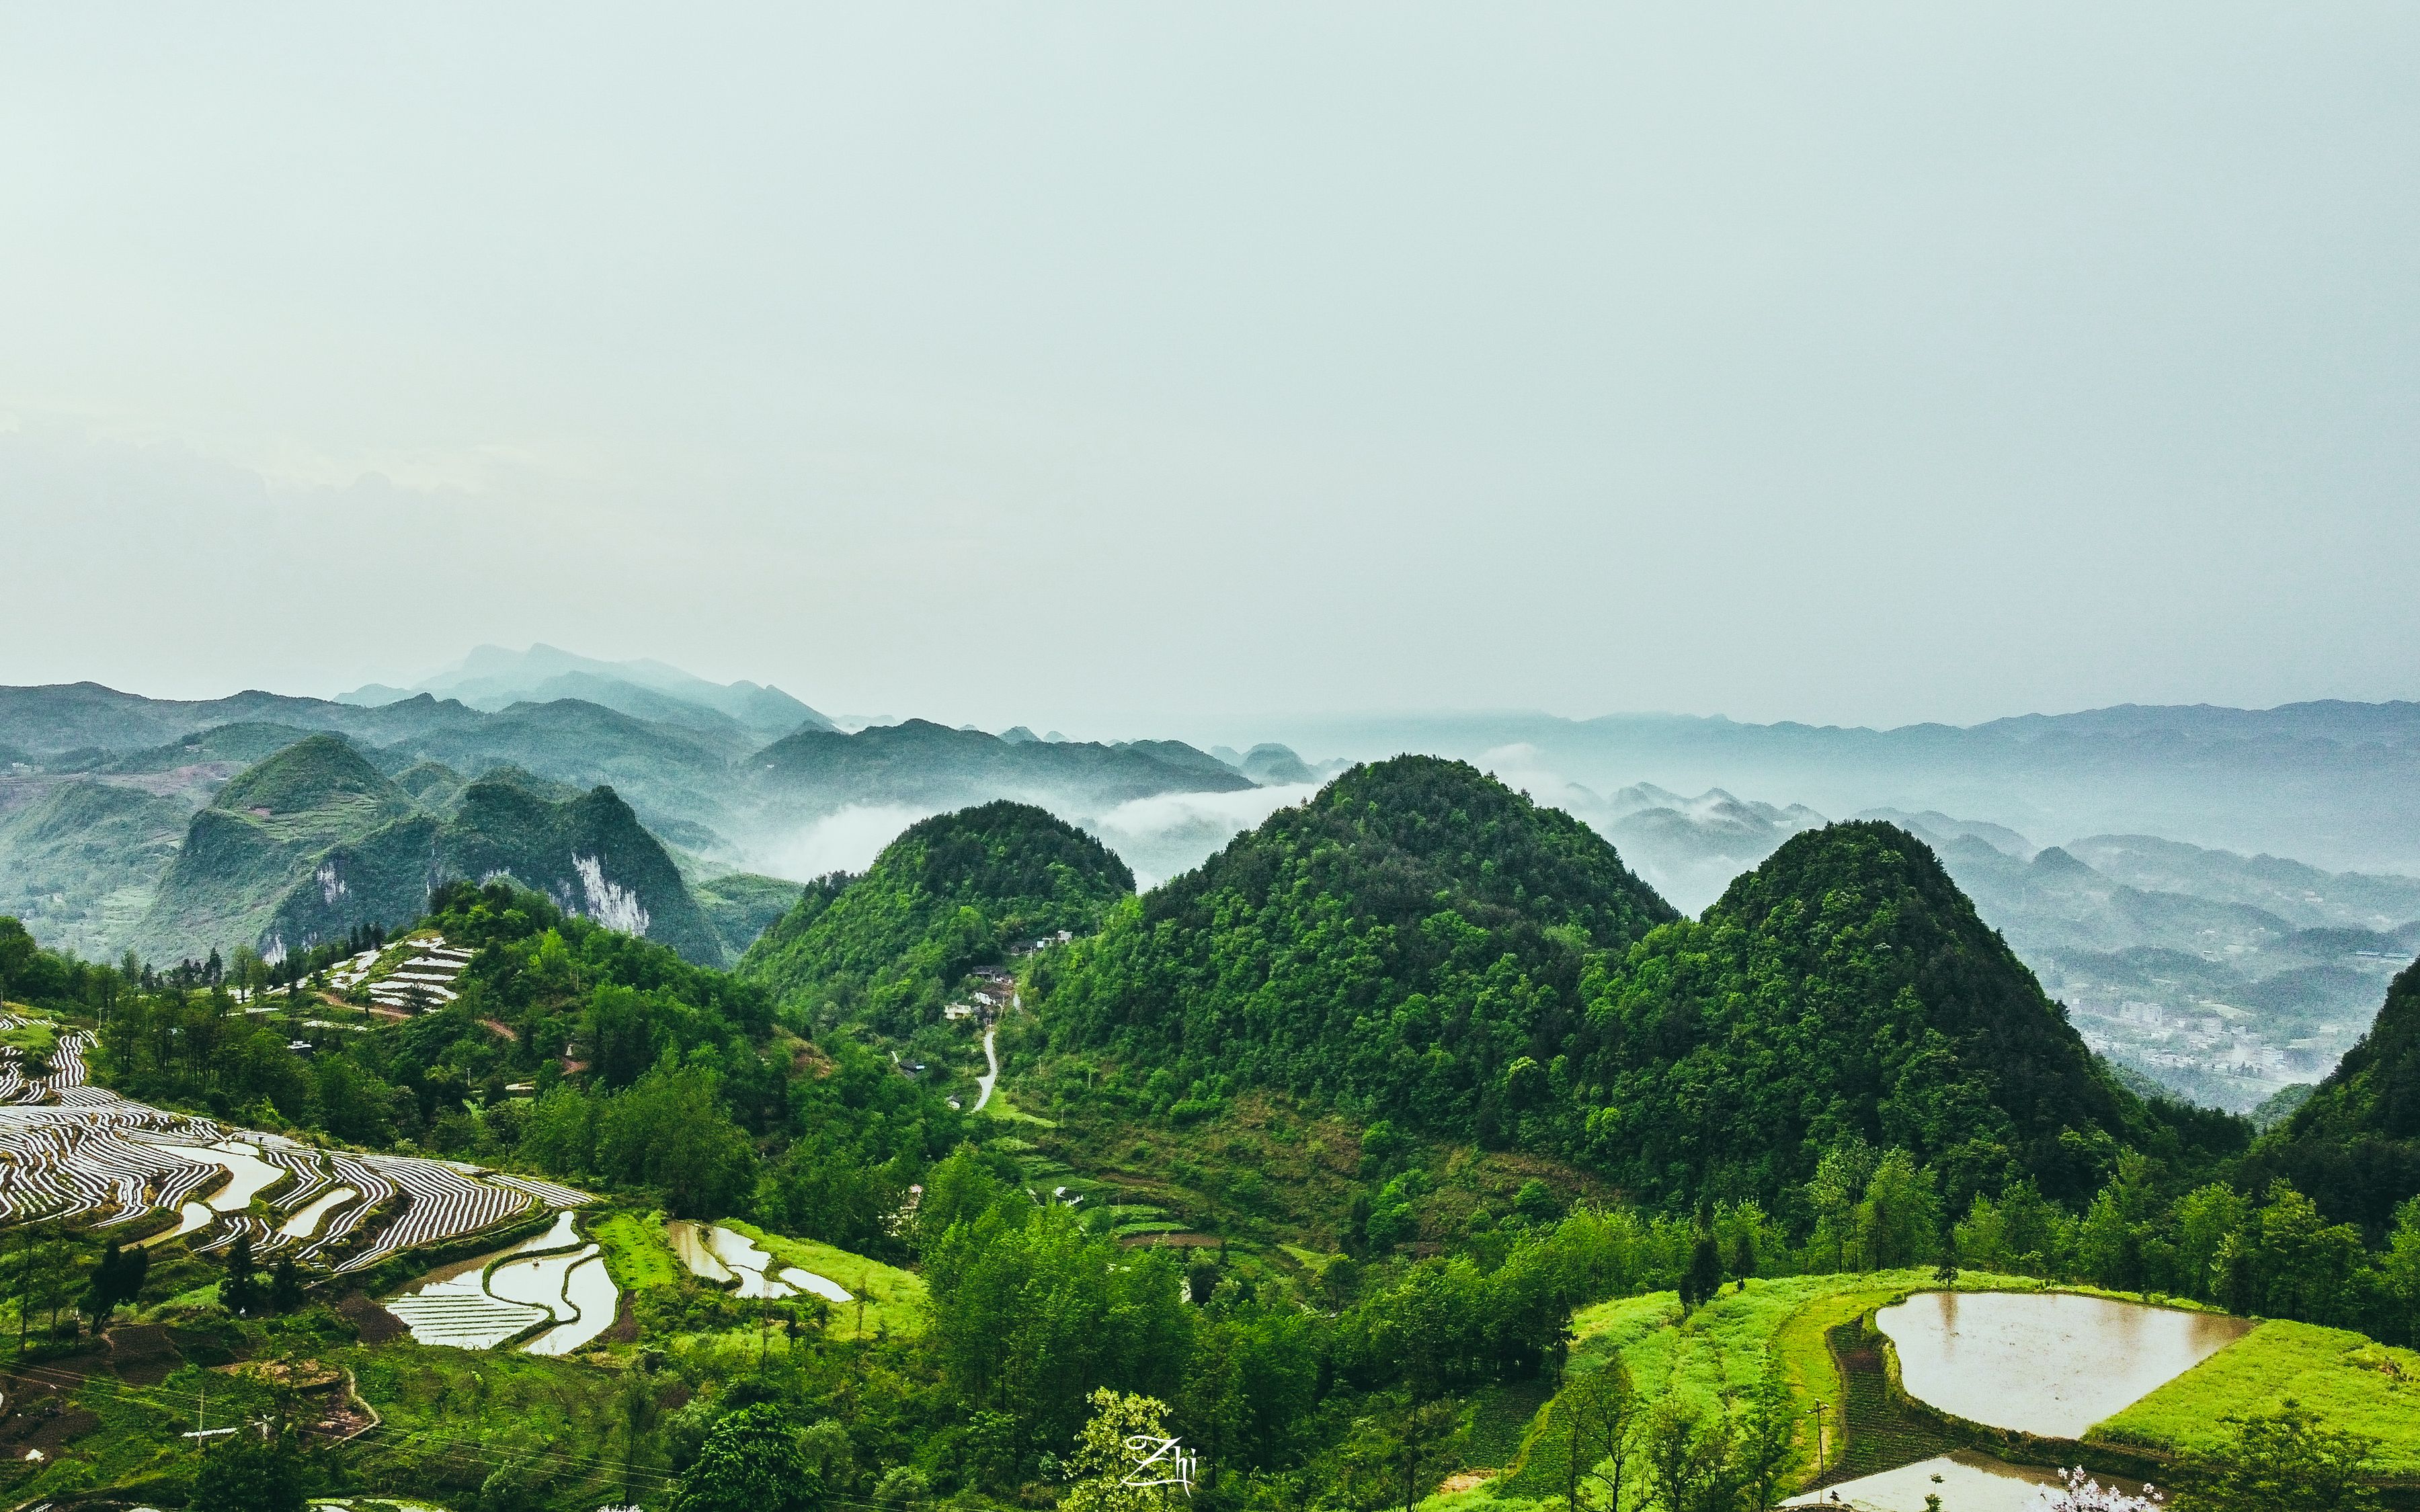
{"points": [[1845, 988], [637, 1255], [741, 906], [2352, 1383], [315, 842], [1338, 1133], [2354, 1145], [80, 865], [951, 894], [896, 1300], [1410, 945]]}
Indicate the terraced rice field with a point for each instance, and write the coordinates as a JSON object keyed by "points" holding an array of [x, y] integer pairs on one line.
{"points": [[726, 1257], [552, 1278], [70, 1149], [420, 973]]}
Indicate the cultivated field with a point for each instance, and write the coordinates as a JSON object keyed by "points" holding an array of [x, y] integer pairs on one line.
{"points": [[73, 1150]]}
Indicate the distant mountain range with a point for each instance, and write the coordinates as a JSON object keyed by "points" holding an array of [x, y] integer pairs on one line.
{"points": [[127, 822], [2215, 965], [2331, 783], [493, 678]]}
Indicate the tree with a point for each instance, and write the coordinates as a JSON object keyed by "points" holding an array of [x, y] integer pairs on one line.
{"points": [[116, 1281], [1704, 1277], [285, 1285], [1764, 1446], [2282, 1461], [240, 1291], [1600, 1417], [1743, 1255], [2398, 1269], [1900, 1213], [1103, 1468], [1946, 1270], [241, 1472], [1687, 1458], [1839, 1177], [751, 1462]]}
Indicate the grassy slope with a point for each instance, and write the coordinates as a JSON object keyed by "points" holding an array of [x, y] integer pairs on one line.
{"points": [[1730, 1343], [637, 1255], [895, 1299], [2348, 1377]]}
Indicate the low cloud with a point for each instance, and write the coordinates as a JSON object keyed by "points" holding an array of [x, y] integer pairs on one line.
{"points": [[848, 840], [1160, 837]]}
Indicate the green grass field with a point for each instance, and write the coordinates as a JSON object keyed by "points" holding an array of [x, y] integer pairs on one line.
{"points": [[35, 1040], [895, 1299], [999, 1108], [2351, 1381], [1726, 1346], [637, 1253]]}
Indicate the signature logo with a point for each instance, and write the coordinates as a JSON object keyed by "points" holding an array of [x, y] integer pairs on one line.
{"points": [[1160, 1462]]}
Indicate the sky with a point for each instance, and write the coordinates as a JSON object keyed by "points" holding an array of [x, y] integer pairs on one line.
{"points": [[1099, 364]]}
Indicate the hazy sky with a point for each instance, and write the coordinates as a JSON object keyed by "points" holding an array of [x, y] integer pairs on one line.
{"points": [[1082, 363]]}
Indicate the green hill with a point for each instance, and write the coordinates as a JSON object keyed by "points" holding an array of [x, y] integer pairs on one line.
{"points": [[1399, 945], [2354, 1148], [950, 894], [742, 905], [260, 840], [81, 864], [588, 852], [314, 840], [917, 762], [1843, 989]]}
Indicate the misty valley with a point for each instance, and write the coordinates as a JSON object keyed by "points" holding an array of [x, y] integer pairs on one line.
{"points": [[571, 1084]]}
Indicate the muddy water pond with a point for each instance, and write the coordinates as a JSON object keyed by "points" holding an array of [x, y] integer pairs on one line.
{"points": [[1966, 1481], [2049, 1363]]}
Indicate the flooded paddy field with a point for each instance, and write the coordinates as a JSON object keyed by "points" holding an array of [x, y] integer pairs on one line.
{"points": [[2048, 1363]]}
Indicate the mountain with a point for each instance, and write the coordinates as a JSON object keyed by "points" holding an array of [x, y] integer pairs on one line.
{"points": [[919, 762], [261, 838], [1272, 764], [2169, 959], [491, 678], [742, 905], [1395, 944], [315, 841], [74, 725], [2304, 897], [2331, 783], [687, 782], [1845, 988], [953, 892], [2226, 978], [2354, 1145], [80, 861], [1690, 848]]}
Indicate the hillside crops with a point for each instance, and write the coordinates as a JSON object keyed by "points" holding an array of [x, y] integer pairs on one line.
{"points": [[73, 1150]]}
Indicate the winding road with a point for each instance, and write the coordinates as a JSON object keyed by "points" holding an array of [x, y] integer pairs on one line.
{"points": [[984, 1082]]}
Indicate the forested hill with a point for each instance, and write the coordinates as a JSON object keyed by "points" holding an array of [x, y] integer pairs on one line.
{"points": [[953, 892], [2354, 1148], [315, 842], [1399, 945], [1844, 990]]}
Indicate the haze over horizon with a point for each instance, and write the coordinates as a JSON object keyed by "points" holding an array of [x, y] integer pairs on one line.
{"points": [[1869, 367]]}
